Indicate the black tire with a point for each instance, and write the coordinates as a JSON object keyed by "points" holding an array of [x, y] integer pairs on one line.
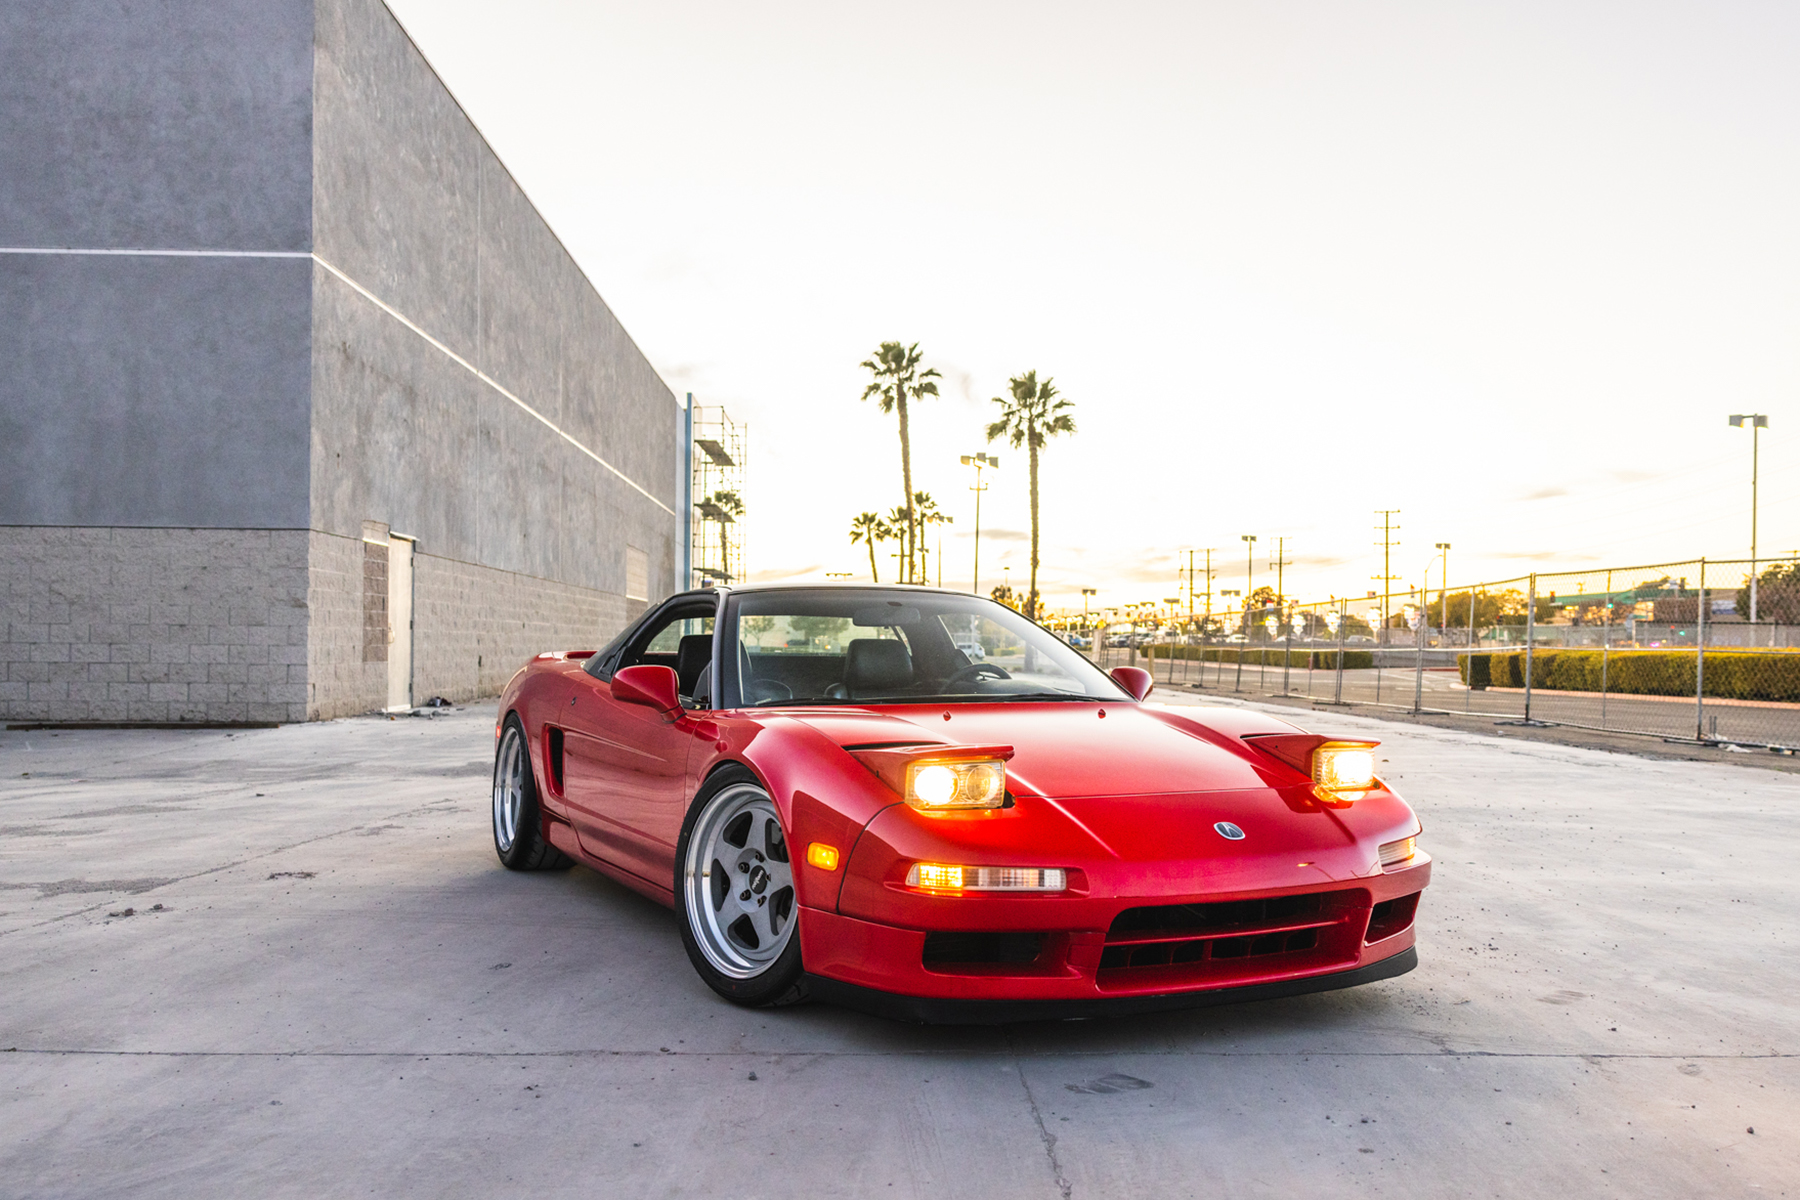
{"points": [[523, 847], [731, 968]]}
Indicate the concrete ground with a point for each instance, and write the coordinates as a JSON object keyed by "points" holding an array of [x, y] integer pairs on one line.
{"points": [[327, 985]]}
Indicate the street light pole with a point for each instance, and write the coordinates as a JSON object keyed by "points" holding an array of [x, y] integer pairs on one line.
{"points": [[1249, 540], [1758, 423], [978, 461]]}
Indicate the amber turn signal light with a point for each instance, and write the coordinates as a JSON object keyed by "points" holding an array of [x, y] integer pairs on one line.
{"points": [[822, 856]]}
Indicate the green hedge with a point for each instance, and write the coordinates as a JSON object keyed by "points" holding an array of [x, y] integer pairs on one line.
{"points": [[1730, 674], [1319, 660]]}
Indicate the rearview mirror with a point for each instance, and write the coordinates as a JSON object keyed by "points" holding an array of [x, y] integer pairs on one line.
{"points": [[1135, 680], [882, 615], [649, 684]]}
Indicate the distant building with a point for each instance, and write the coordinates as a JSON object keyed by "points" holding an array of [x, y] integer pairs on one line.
{"points": [[304, 410]]}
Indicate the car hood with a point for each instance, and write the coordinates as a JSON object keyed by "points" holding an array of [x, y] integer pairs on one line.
{"points": [[1065, 751], [1145, 790]]}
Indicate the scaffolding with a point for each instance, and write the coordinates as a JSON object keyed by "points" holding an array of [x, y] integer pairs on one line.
{"points": [[717, 527]]}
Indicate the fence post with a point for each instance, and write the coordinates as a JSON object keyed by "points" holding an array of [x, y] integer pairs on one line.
{"points": [[1238, 686], [1530, 629], [1419, 657], [1469, 692], [1287, 653], [1343, 612], [1700, 661], [1605, 648]]}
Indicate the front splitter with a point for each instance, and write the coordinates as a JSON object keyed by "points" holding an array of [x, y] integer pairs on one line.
{"points": [[934, 1010]]}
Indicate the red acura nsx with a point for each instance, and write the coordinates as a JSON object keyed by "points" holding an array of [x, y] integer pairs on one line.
{"points": [[921, 803]]}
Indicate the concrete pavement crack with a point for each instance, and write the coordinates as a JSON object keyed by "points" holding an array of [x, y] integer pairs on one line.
{"points": [[1049, 1139]]}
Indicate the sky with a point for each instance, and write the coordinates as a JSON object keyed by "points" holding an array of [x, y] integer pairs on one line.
{"points": [[1504, 268]]}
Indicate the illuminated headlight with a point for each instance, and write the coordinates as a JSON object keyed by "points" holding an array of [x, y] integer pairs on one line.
{"points": [[1344, 767], [979, 783], [940, 877], [1395, 853]]}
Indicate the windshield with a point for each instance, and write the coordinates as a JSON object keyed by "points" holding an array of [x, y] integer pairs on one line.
{"points": [[894, 646]]}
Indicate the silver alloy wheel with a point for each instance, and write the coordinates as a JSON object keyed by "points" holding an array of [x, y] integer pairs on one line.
{"points": [[509, 787], [739, 882]]}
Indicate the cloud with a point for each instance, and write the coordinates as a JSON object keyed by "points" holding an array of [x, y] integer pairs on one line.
{"points": [[1544, 556], [1547, 493], [1006, 535], [780, 574]]}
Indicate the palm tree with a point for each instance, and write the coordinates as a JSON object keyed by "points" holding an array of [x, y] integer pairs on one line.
{"points": [[1034, 414], [727, 502], [928, 513], [897, 378], [869, 527]]}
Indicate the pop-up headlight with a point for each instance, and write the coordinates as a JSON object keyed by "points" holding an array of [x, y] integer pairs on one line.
{"points": [[937, 785], [1344, 766], [936, 777]]}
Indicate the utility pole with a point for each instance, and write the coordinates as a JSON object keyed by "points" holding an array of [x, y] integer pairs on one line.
{"points": [[1190, 619], [1758, 423], [1249, 540], [1386, 578], [1207, 620], [1278, 564], [978, 461]]}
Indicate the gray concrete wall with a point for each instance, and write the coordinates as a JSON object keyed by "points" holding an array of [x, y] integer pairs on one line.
{"points": [[185, 124], [412, 205], [162, 391], [154, 391]]}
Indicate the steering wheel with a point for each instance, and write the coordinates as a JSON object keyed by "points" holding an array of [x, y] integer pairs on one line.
{"points": [[766, 691], [974, 671]]}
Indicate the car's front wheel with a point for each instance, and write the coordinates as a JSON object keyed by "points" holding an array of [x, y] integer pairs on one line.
{"points": [[735, 888], [518, 828]]}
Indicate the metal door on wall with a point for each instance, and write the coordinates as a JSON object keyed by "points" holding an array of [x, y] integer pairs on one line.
{"points": [[400, 622]]}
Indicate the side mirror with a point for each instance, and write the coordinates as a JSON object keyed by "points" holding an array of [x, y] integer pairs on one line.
{"points": [[1135, 680], [648, 684]]}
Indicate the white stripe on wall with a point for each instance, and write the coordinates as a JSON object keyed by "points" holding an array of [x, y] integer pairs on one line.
{"points": [[385, 307]]}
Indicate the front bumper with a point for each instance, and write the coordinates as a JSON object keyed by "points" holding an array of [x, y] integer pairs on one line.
{"points": [[1124, 954], [927, 1010]]}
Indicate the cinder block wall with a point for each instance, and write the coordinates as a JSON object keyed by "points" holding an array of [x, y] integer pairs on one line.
{"points": [[474, 626], [153, 625], [478, 625]]}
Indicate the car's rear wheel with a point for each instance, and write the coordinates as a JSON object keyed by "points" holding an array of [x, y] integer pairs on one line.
{"points": [[735, 887], [518, 826]]}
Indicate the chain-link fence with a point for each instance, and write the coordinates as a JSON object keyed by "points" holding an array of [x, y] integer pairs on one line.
{"points": [[1705, 650]]}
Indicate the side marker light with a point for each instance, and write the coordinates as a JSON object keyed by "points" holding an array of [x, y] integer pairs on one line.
{"points": [[822, 856], [1395, 853]]}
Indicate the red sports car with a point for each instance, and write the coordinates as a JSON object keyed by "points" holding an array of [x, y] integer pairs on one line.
{"points": [[921, 803]]}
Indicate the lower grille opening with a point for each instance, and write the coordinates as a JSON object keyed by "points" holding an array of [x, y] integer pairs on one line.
{"points": [[1167, 954], [1392, 916], [982, 949], [1237, 937], [1193, 919]]}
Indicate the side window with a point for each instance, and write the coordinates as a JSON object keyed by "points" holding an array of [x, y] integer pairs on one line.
{"points": [[668, 639], [681, 641]]}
